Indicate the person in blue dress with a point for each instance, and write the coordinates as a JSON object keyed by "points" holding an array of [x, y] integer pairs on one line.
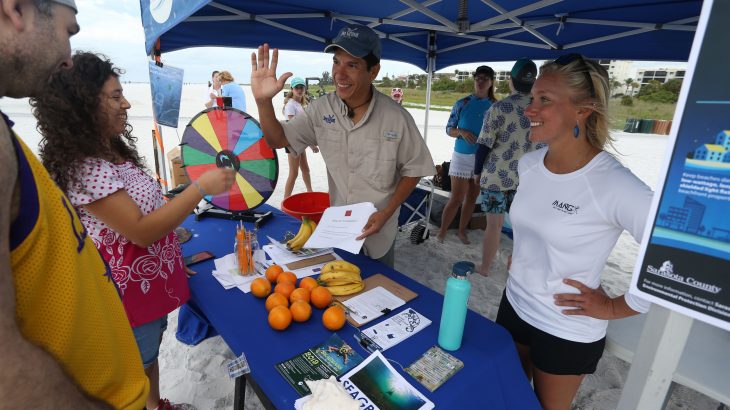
{"points": [[464, 124], [230, 89]]}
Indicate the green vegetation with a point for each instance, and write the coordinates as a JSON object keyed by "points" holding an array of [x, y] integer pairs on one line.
{"points": [[647, 105]]}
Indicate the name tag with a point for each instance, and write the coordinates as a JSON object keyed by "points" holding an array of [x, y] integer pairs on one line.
{"points": [[391, 135]]}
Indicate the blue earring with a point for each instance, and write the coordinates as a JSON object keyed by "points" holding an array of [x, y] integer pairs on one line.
{"points": [[576, 130]]}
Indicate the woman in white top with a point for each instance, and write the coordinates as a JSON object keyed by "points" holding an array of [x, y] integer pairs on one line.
{"points": [[573, 202], [214, 90], [294, 104]]}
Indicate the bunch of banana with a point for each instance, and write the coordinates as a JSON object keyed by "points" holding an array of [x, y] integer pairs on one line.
{"points": [[341, 278], [305, 231]]}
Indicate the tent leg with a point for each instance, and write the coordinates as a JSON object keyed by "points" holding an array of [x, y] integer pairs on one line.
{"points": [[430, 64], [657, 355]]}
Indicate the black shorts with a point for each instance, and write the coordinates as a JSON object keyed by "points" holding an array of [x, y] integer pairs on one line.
{"points": [[549, 353]]}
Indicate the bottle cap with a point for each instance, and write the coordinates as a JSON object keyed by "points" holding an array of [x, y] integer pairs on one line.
{"points": [[461, 269]]}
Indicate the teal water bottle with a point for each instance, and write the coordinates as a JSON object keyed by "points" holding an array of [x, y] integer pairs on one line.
{"points": [[453, 315]]}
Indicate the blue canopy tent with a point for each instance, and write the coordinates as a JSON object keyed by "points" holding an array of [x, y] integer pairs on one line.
{"points": [[434, 34]]}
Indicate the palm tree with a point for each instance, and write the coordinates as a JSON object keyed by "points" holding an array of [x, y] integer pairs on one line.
{"points": [[634, 86], [628, 82]]}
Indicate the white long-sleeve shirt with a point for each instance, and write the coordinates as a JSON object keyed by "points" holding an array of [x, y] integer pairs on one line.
{"points": [[565, 226]]}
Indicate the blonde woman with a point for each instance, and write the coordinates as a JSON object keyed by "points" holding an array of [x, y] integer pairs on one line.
{"points": [[573, 202], [294, 104], [232, 90]]}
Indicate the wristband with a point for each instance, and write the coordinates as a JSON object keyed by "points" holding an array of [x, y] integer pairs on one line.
{"points": [[200, 189]]}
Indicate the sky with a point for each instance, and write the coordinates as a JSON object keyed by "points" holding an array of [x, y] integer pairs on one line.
{"points": [[114, 28]]}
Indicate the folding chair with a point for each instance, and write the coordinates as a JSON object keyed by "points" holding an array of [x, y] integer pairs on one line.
{"points": [[416, 211]]}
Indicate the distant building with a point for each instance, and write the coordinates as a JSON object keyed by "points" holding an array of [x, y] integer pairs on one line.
{"points": [[662, 75], [676, 218], [617, 69], [462, 75], [502, 75]]}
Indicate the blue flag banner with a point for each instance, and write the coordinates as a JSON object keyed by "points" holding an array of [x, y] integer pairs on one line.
{"points": [[158, 16], [166, 85], [685, 264]]}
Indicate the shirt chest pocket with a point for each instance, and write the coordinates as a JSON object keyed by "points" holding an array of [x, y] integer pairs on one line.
{"points": [[331, 142], [379, 162]]}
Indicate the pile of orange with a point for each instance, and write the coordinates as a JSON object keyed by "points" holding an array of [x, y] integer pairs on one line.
{"points": [[289, 303]]}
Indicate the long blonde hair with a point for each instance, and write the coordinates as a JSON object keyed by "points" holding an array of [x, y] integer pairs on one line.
{"points": [[574, 73], [290, 94]]}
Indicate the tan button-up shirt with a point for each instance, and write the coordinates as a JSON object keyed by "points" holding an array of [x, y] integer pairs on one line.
{"points": [[366, 160]]}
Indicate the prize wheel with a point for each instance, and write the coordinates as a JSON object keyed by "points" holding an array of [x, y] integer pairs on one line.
{"points": [[231, 138]]}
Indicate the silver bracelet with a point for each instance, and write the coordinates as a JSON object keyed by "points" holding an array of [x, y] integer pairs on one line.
{"points": [[200, 189]]}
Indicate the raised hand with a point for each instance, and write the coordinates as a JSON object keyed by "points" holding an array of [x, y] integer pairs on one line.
{"points": [[264, 84]]}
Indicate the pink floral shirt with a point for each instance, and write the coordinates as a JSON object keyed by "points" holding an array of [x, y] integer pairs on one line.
{"points": [[151, 280]]}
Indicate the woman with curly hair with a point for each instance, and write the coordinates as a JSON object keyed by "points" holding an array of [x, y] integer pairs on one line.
{"points": [[90, 152]]}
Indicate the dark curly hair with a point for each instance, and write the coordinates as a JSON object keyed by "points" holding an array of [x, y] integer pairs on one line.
{"points": [[71, 123]]}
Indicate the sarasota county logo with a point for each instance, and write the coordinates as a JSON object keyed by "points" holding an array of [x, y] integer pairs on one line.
{"points": [[667, 271], [565, 207], [329, 119]]}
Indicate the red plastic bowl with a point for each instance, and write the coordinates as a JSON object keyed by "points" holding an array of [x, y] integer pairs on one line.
{"points": [[309, 204]]}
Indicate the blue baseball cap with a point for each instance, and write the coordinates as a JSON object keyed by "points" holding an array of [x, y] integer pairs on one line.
{"points": [[69, 3], [357, 40], [297, 81], [523, 75]]}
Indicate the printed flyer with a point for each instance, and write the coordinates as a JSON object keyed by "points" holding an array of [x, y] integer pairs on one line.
{"points": [[377, 385], [333, 357], [685, 264]]}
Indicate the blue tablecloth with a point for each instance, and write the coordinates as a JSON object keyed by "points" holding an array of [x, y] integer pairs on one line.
{"points": [[491, 378]]}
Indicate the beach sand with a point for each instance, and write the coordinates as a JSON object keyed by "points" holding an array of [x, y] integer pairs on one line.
{"points": [[197, 374]]}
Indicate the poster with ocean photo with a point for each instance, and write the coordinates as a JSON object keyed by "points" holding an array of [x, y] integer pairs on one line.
{"points": [[686, 260], [377, 385]]}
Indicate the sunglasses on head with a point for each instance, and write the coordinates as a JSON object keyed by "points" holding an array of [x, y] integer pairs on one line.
{"points": [[569, 58]]}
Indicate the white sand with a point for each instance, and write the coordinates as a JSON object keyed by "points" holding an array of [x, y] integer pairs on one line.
{"points": [[197, 374]]}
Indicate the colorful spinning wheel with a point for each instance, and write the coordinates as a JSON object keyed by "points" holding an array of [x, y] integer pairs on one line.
{"points": [[231, 138]]}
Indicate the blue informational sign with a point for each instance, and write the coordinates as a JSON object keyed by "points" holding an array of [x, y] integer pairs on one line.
{"points": [[166, 85], [686, 260], [158, 16]]}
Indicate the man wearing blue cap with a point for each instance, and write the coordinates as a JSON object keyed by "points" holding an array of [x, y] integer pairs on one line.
{"points": [[370, 144], [65, 341], [503, 140]]}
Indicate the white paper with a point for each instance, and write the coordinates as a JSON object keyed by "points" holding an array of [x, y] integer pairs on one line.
{"points": [[226, 273], [284, 257], [340, 225], [394, 330], [398, 387], [372, 304]]}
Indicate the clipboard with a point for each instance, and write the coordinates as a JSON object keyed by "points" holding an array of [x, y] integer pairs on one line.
{"points": [[385, 282], [315, 260]]}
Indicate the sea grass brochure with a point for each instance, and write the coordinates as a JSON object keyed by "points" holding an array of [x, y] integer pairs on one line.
{"points": [[333, 357], [377, 385]]}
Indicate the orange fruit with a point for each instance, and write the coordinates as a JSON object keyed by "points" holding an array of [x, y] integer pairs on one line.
{"points": [[279, 318], [287, 277], [300, 311], [320, 297], [299, 294], [285, 288], [260, 287], [308, 283], [334, 318], [276, 299], [273, 271]]}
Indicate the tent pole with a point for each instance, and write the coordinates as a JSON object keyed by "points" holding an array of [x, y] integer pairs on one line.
{"points": [[656, 358], [430, 64]]}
